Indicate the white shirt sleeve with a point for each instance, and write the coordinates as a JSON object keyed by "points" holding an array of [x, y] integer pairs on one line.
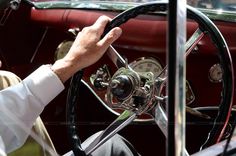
{"points": [[24, 102]]}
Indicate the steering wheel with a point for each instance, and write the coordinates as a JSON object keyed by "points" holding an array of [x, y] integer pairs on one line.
{"points": [[139, 93]]}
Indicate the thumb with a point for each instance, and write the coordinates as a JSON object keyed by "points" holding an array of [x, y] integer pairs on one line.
{"points": [[110, 37]]}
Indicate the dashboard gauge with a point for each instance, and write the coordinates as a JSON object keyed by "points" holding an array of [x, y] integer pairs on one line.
{"points": [[147, 64], [62, 49], [216, 73]]}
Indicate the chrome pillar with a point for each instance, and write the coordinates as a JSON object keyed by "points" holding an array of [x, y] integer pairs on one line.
{"points": [[176, 77]]}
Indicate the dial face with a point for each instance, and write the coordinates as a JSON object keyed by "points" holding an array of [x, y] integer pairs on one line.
{"points": [[216, 73], [63, 49], [147, 65]]}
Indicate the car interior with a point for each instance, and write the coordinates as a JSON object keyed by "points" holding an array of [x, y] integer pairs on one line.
{"points": [[125, 92]]}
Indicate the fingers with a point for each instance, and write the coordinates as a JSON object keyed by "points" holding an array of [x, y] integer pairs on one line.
{"points": [[100, 24], [110, 37]]}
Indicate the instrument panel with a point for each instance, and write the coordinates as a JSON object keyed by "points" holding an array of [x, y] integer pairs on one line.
{"points": [[151, 64], [147, 64]]}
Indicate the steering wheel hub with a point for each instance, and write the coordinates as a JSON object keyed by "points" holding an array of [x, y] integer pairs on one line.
{"points": [[131, 90], [123, 84]]}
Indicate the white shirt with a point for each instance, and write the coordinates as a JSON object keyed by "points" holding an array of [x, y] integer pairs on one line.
{"points": [[24, 102]]}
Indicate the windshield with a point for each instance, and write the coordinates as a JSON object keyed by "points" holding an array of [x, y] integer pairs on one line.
{"points": [[215, 9], [206, 4], [226, 5]]}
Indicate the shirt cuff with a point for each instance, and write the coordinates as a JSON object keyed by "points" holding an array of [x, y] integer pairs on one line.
{"points": [[44, 84]]}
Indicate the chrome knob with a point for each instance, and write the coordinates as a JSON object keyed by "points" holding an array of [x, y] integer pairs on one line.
{"points": [[121, 87]]}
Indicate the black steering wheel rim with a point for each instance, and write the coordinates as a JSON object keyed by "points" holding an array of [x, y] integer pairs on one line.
{"points": [[224, 57]]}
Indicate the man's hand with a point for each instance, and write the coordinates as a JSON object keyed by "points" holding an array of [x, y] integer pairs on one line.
{"points": [[87, 48]]}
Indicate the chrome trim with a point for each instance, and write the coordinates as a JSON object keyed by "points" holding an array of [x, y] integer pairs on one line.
{"points": [[39, 44], [155, 60], [190, 97], [117, 58], [177, 15], [99, 99], [161, 119], [110, 109], [212, 77], [180, 103], [193, 41], [7, 12], [123, 120]]}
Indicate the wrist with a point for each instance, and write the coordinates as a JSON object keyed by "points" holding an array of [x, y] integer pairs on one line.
{"points": [[63, 69]]}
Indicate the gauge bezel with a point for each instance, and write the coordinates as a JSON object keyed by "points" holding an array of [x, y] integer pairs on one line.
{"points": [[156, 60], [211, 70], [62, 49]]}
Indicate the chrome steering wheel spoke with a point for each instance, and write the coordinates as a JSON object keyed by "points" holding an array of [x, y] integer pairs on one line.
{"points": [[160, 118], [123, 120], [193, 41], [116, 58]]}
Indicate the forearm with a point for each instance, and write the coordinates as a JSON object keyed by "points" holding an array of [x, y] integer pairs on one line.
{"points": [[27, 100], [24, 102]]}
